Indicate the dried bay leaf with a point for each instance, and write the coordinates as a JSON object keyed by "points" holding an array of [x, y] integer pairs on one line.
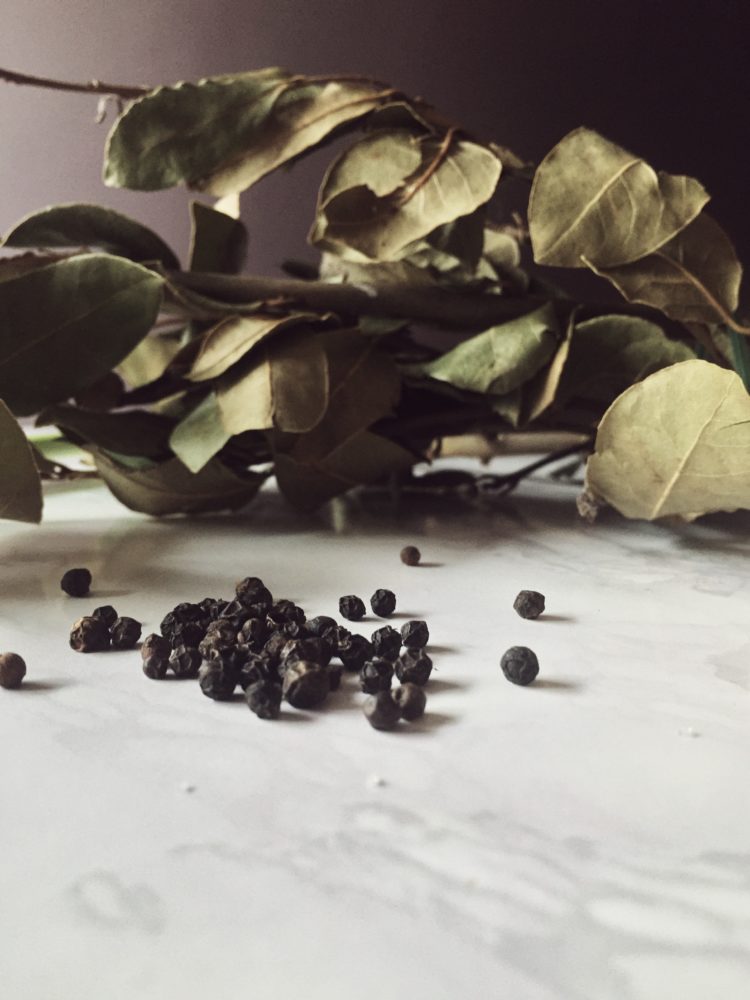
{"points": [[592, 199], [170, 488], [224, 133], [694, 278], [134, 432], [200, 435], [82, 225], [677, 443], [20, 485], [66, 325], [392, 189], [500, 359], [218, 242]]}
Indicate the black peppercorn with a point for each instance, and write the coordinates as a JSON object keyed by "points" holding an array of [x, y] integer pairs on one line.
{"points": [[76, 582], [258, 667], [12, 670], [283, 612], [211, 606], [217, 681], [89, 635], [352, 607], [354, 651], [529, 604], [311, 648], [381, 711], [185, 662], [410, 555], [383, 603], [415, 634], [236, 613], [221, 633], [252, 590], [376, 675], [412, 701], [414, 666], [107, 613], [155, 666], [253, 632], [187, 634], [305, 684], [264, 699], [273, 646], [519, 664], [320, 625], [125, 633], [155, 645], [387, 642]]}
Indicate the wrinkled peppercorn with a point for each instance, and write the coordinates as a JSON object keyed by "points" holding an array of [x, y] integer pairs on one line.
{"points": [[352, 607], [415, 634], [252, 590], [264, 699], [320, 625], [305, 684], [284, 612], [12, 670], [273, 646], [211, 606], [125, 633], [155, 666], [107, 613], [311, 648], [386, 642], [155, 645], [253, 632], [236, 613], [529, 604], [217, 681], [221, 633], [258, 667], [354, 651], [89, 635], [376, 675], [519, 664], [383, 603], [381, 711], [185, 661], [412, 700], [410, 555], [76, 582], [187, 634], [414, 666]]}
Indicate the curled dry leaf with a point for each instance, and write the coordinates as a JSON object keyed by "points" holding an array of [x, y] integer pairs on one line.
{"points": [[20, 485]]}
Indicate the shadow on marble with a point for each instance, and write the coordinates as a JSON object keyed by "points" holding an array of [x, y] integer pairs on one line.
{"points": [[436, 686], [429, 722], [550, 684], [44, 685], [557, 619]]}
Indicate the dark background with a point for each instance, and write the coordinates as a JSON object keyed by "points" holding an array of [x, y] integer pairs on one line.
{"points": [[667, 81]]}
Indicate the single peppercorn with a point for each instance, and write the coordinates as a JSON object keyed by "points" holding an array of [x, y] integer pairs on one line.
{"points": [[410, 555], [311, 648], [89, 635], [155, 645], [412, 700], [264, 699], [217, 681], [529, 604], [253, 632], [305, 684], [354, 651], [520, 665], [286, 612], [320, 625], [76, 582], [383, 603], [12, 670], [381, 711], [273, 646], [252, 590], [107, 613], [258, 667], [155, 666], [236, 613], [414, 666], [185, 661], [387, 642], [415, 634], [187, 634], [125, 633], [352, 607], [376, 675]]}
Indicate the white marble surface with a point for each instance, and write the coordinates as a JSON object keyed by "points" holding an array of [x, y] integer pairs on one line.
{"points": [[582, 839]]}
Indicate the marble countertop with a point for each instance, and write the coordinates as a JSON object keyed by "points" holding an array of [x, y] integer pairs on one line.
{"points": [[585, 838]]}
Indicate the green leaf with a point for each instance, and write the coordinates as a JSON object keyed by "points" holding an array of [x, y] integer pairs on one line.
{"points": [[200, 435], [453, 247], [224, 133], [695, 278], [23, 263], [82, 225], [135, 432], [501, 358], [392, 188], [170, 488], [283, 385], [677, 443], [64, 326], [540, 392], [218, 242], [593, 199], [363, 458], [231, 339], [20, 485]]}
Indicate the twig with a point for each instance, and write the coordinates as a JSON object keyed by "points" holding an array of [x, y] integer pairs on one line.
{"points": [[90, 87], [493, 485]]}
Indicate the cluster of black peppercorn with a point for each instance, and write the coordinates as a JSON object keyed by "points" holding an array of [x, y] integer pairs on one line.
{"points": [[104, 629], [273, 652]]}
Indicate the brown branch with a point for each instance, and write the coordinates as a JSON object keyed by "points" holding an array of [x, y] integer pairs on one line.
{"points": [[91, 87], [434, 166]]}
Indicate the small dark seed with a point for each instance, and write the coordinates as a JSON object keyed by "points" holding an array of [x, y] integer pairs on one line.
{"points": [[352, 607], [89, 635], [415, 634], [410, 555], [414, 666], [381, 711], [185, 662], [264, 699], [383, 603], [155, 666], [125, 633], [155, 645], [76, 582], [412, 700], [520, 665], [12, 670], [376, 675], [529, 604], [386, 642], [305, 684], [107, 613]]}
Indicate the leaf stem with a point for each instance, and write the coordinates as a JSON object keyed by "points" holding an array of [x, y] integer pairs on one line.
{"points": [[90, 87], [433, 167]]}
